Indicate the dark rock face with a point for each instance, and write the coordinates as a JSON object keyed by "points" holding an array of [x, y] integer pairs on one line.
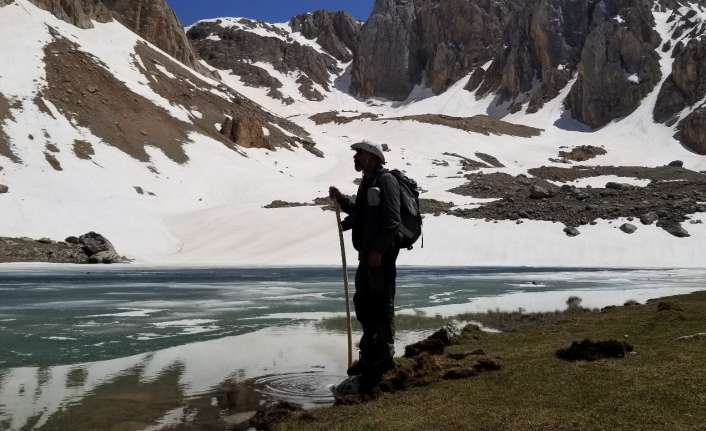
{"points": [[237, 46], [337, 32], [535, 47], [89, 248], [154, 20], [99, 249], [402, 41], [77, 12], [692, 131], [619, 65], [686, 85], [5, 114]]}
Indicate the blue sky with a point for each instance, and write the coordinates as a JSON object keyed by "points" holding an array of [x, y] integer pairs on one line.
{"points": [[267, 10]]}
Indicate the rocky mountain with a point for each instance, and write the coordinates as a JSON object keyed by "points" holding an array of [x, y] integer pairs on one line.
{"points": [[560, 122], [524, 53], [154, 20], [243, 45]]}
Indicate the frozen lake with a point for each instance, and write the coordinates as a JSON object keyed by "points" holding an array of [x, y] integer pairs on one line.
{"points": [[76, 337]]}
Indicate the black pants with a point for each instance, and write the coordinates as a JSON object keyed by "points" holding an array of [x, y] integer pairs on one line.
{"points": [[374, 302]]}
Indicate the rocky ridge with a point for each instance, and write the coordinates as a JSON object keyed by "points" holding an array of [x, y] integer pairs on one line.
{"points": [[154, 20], [682, 97], [337, 33], [524, 53], [233, 45]]}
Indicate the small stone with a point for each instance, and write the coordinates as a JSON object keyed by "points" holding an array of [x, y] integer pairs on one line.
{"points": [[72, 240], [45, 241], [676, 164], [571, 231], [539, 192], [649, 218], [92, 89], [628, 228], [4, 189], [385, 148]]}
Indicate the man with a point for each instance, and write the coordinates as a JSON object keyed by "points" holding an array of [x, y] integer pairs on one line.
{"points": [[374, 217]]}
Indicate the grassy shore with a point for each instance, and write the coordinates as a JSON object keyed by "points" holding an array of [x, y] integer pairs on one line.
{"points": [[660, 386]]}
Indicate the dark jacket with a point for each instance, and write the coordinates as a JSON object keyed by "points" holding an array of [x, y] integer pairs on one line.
{"points": [[375, 224]]}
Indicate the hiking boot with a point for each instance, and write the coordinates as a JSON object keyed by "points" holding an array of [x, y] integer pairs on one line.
{"points": [[356, 369]]}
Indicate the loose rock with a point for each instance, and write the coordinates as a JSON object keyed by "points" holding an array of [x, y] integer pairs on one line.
{"points": [[628, 228]]}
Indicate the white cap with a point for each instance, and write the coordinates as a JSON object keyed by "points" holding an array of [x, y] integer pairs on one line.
{"points": [[371, 148]]}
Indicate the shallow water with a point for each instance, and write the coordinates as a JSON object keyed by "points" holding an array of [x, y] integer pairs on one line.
{"points": [[83, 344]]}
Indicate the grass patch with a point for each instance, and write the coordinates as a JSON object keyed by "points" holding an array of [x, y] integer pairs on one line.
{"points": [[658, 387]]}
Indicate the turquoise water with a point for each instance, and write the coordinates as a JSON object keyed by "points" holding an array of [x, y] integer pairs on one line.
{"points": [[70, 334]]}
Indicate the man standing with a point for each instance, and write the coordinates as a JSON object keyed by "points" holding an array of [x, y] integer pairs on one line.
{"points": [[374, 217]]}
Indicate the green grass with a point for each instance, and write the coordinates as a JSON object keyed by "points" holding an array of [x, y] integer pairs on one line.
{"points": [[662, 386]]}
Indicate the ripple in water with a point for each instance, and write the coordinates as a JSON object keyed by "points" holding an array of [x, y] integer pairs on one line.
{"points": [[306, 388]]}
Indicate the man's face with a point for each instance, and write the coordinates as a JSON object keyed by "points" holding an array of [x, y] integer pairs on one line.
{"points": [[360, 159]]}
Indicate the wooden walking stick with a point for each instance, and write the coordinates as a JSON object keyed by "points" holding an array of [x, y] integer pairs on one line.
{"points": [[345, 283]]}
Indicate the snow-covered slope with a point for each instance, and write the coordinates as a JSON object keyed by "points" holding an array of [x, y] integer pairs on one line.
{"points": [[209, 208]]}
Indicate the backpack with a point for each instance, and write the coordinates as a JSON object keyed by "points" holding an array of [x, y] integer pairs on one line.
{"points": [[410, 214]]}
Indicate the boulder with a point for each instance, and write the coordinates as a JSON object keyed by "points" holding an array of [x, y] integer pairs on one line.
{"points": [[676, 164], [4, 189], [434, 344], [649, 218], [677, 230], [246, 131], [98, 248], [571, 231], [539, 192], [618, 186], [105, 257], [628, 228]]}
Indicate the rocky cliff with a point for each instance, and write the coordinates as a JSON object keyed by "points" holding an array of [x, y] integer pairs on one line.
{"points": [[532, 48], [235, 44], [337, 32], [682, 96], [154, 20], [524, 53]]}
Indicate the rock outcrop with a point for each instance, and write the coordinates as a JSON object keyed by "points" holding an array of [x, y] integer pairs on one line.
{"points": [[91, 247], [682, 96], [337, 32], [523, 52], [404, 41], [5, 114], [692, 131], [228, 47], [619, 65], [154, 20]]}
